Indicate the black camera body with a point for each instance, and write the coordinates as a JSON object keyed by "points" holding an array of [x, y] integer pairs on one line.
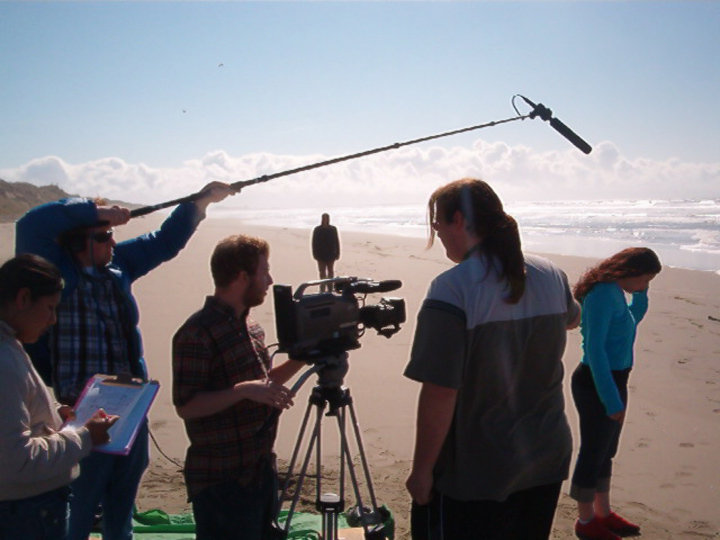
{"points": [[329, 323]]}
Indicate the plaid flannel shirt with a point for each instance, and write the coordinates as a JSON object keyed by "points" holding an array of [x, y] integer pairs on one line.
{"points": [[213, 351], [91, 335]]}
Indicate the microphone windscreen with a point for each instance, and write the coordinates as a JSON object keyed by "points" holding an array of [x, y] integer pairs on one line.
{"points": [[570, 135], [366, 287], [388, 285]]}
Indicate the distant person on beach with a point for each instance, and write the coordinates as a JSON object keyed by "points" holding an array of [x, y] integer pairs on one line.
{"points": [[492, 445], [226, 391], [325, 248], [97, 328], [39, 457], [600, 382]]}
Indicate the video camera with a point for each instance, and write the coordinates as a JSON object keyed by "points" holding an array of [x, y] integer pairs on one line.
{"points": [[328, 323]]}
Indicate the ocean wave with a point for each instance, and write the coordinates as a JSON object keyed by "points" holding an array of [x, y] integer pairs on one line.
{"points": [[686, 232]]}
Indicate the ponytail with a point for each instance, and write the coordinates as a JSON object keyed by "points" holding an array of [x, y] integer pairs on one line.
{"points": [[503, 241], [485, 217]]}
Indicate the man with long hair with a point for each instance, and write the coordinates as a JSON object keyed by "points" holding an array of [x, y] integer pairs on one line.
{"points": [[492, 444]]}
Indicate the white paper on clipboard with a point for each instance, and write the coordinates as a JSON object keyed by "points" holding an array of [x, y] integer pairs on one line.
{"points": [[130, 399]]}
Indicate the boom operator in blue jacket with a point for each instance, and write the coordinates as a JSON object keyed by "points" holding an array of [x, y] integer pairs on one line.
{"points": [[97, 327]]}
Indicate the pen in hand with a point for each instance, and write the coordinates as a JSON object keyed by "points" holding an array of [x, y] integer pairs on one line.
{"points": [[98, 426]]}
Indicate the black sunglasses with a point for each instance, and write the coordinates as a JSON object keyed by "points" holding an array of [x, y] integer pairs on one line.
{"points": [[102, 237]]}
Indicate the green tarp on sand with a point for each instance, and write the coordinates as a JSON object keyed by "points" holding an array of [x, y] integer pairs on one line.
{"points": [[157, 524]]}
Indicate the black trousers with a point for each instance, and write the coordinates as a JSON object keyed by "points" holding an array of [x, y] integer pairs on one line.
{"points": [[599, 434], [525, 515], [229, 511]]}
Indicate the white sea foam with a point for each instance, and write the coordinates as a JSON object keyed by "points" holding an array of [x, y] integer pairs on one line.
{"points": [[685, 233]]}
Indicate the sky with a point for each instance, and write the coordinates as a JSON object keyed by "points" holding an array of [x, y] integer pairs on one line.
{"points": [[149, 101]]}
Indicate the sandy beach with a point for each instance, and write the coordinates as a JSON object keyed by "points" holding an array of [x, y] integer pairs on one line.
{"points": [[667, 475]]}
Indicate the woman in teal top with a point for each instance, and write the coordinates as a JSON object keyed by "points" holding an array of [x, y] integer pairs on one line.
{"points": [[599, 384]]}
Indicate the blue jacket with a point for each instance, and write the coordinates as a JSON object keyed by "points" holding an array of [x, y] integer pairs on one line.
{"points": [[38, 230], [608, 328]]}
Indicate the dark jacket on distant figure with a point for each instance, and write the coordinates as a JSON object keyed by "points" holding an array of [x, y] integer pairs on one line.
{"points": [[325, 243]]}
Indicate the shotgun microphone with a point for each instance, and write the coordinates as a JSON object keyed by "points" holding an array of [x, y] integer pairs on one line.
{"points": [[546, 114], [369, 286]]}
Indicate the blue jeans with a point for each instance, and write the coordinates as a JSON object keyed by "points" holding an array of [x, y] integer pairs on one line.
{"points": [[112, 481], [230, 511], [42, 517]]}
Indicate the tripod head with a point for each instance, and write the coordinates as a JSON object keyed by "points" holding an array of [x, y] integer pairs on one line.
{"points": [[332, 370]]}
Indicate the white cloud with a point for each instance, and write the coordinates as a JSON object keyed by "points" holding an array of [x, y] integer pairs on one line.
{"points": [[402, 176]]}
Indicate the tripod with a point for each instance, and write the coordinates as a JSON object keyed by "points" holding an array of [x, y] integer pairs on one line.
{"points": [[329, 391]]}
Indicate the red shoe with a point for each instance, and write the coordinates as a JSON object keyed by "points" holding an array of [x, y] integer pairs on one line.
{"points": [[593, 530], [619, 525]]}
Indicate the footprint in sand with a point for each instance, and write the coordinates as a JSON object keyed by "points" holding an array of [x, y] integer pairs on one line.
{"points": [[700, 529], [638, 506], [643, 443]]}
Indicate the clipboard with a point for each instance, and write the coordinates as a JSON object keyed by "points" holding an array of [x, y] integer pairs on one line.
{"points": [[121, 395]]}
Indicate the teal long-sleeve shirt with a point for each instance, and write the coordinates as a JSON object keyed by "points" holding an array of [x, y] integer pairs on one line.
{"points": [[608, 327]]}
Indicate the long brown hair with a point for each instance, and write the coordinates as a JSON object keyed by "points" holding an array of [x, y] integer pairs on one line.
{"points": [[630, 262], [484, 214]]}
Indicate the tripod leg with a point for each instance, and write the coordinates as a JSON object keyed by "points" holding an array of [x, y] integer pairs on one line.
{"points": [[363, 458], [296, 451], [314, 439], [345, 455], [372, 521], [318, 457]]}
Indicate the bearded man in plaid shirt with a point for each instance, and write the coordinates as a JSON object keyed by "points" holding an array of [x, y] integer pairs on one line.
{"points": [[225, 390]]}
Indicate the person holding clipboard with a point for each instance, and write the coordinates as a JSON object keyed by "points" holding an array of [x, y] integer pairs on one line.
{"points": [[39, 455]]}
